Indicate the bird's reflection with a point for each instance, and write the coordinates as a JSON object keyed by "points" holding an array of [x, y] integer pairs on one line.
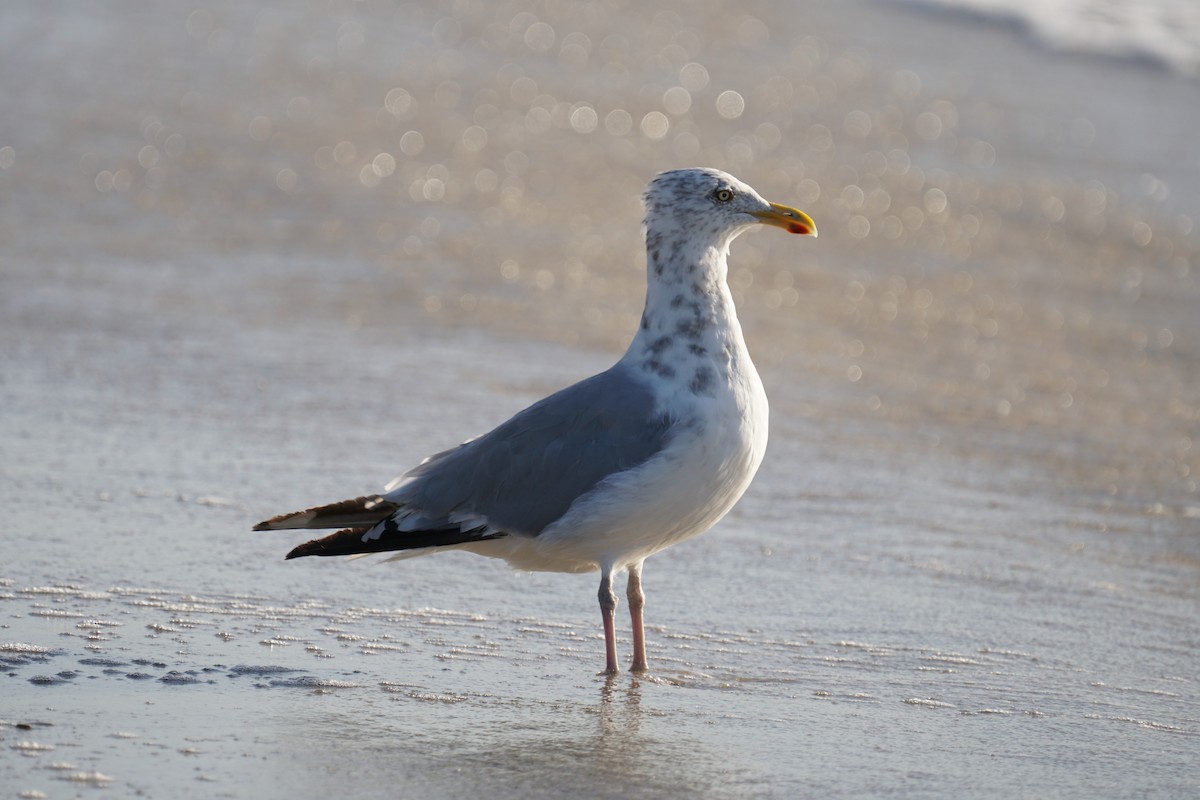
{"points": [[619, 741], [629, 698]]}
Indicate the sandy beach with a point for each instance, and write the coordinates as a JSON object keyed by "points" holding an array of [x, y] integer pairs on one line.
{"points": [[256, 257]]}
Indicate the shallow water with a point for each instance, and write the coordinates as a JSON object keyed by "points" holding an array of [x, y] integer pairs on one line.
{"points": [[967, 567]]}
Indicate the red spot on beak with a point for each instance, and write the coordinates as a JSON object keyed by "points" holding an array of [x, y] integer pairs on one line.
{"points": [[796, 227]]}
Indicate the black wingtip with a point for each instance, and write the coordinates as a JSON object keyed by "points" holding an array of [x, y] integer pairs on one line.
{"points": [[313, 548], [343, 543], [350, 541], [262, 526]]}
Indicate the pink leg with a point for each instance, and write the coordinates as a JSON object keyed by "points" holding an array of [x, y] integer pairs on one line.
{"points": [[608, 610], [637, 601]]}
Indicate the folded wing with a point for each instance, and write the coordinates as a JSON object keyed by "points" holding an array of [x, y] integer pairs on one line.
{"points": [[515, 480]]}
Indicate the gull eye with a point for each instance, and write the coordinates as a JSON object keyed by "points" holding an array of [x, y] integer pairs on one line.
{"points": [[723, 195]]}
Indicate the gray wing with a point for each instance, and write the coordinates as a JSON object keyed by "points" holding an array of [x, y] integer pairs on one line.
{"points": [[526, 473]]}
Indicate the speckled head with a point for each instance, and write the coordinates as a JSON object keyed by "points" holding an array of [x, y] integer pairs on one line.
{"points": [[708, 201]]}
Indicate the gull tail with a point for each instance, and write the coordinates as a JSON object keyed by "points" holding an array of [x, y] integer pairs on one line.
{"points": [[361, 512]]}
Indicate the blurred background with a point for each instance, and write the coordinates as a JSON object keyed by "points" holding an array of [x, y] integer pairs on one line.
{"points": [[261, 255], [1006, 196]]}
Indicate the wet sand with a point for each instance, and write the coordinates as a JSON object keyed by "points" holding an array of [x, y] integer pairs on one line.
{"points": [[968, 566]]}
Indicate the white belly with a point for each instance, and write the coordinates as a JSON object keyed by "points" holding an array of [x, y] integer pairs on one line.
{"points": [[679, 493]]}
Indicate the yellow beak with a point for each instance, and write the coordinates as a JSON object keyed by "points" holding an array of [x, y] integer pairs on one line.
{"points": [[790, 219]]}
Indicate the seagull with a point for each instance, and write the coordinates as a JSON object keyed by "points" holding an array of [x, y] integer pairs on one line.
{"points": [[609, 471]]}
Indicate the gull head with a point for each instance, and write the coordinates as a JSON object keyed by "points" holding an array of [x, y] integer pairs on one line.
{"points": [[714, 204]]}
